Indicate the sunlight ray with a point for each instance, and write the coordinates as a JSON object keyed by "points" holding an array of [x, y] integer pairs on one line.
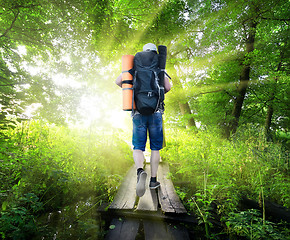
{"points": [[194, 91], [138, 34]]}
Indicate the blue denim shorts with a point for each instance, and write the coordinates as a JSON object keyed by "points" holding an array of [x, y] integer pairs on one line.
{"points": [[152, 124]]}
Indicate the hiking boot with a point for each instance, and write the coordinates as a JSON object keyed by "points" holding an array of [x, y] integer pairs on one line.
{"points": [[141, 180], [154, 185]]}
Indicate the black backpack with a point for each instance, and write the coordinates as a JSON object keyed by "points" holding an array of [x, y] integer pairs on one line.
{"points": [[148, 92]]}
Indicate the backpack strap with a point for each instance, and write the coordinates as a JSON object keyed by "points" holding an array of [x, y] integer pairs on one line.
{"points": [[127, 82], [133, 95], [158, 87], [163, 70], [131, 71]]}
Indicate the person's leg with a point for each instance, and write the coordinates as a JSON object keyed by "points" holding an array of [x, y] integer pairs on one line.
{"points": [[139, 139], [139, 142], [154, 162], [156, 141], [138, 157], [141, 174]]}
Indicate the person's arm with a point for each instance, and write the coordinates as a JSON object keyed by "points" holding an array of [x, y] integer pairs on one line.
{"points": [[167, 85], [119, 80]]}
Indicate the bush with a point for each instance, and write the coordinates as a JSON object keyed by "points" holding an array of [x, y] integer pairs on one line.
{"points": [[45, 168], [214, 173]]}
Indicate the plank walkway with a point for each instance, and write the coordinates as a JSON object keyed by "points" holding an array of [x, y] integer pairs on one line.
{"points": [[156, 215]]}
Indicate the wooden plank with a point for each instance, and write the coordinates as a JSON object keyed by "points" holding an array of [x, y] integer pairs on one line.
{"points": [[123, 229], [164, 200], [158, 215], [168, 198], [126, 195], [149, 201], [155, 230]]}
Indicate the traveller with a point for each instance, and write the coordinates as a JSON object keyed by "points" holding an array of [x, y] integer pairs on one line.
{"points": [[141, 125]]}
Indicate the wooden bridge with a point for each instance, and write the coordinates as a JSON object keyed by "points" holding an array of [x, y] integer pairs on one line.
{"points": [[156, 215], [159, 214]]}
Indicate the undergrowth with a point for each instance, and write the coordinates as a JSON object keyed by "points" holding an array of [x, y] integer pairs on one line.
{"points": [[48, 169], [212, 174]]}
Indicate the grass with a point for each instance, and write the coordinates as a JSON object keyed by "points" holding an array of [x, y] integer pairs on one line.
{"points": [[212, 174], [47, 169]]}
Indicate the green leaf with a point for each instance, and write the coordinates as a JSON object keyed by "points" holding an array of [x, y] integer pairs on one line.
{"points": [[4, 205], [112, 227]]}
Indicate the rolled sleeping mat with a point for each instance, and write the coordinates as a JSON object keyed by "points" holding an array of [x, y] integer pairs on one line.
{"points": [[127, 82], [162, 54], [162, 51]]}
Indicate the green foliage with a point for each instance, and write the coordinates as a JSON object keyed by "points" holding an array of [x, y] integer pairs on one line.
{"points": [[122, 27], [213, 174], [45, 168], [207, 48], [40, 40], [18, 221], [210, 56], [249, 224]]}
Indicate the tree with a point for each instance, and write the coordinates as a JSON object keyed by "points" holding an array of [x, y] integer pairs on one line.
{"points": [[125, 26], [228, 32], [44, 31], [225, 58], [183, 104]]}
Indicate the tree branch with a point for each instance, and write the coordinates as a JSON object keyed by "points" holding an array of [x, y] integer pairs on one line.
{"points": [[261, 108], [28, 6], [12, 84], [277, 19], [214, 91], [11, 26]]}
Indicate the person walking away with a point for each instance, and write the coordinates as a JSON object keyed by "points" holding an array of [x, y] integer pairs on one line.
{"points": [[141, 125]]}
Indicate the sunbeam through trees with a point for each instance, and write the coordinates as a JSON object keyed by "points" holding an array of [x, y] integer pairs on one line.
{"points": [[65, 141]]}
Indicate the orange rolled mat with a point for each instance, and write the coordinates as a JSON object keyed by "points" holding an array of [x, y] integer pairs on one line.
{"points": [[127, 87]]}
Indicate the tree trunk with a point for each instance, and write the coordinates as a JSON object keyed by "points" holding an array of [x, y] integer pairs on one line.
{"points": [[268, 120], [270, 110], [184, 107], [243, 84]]}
